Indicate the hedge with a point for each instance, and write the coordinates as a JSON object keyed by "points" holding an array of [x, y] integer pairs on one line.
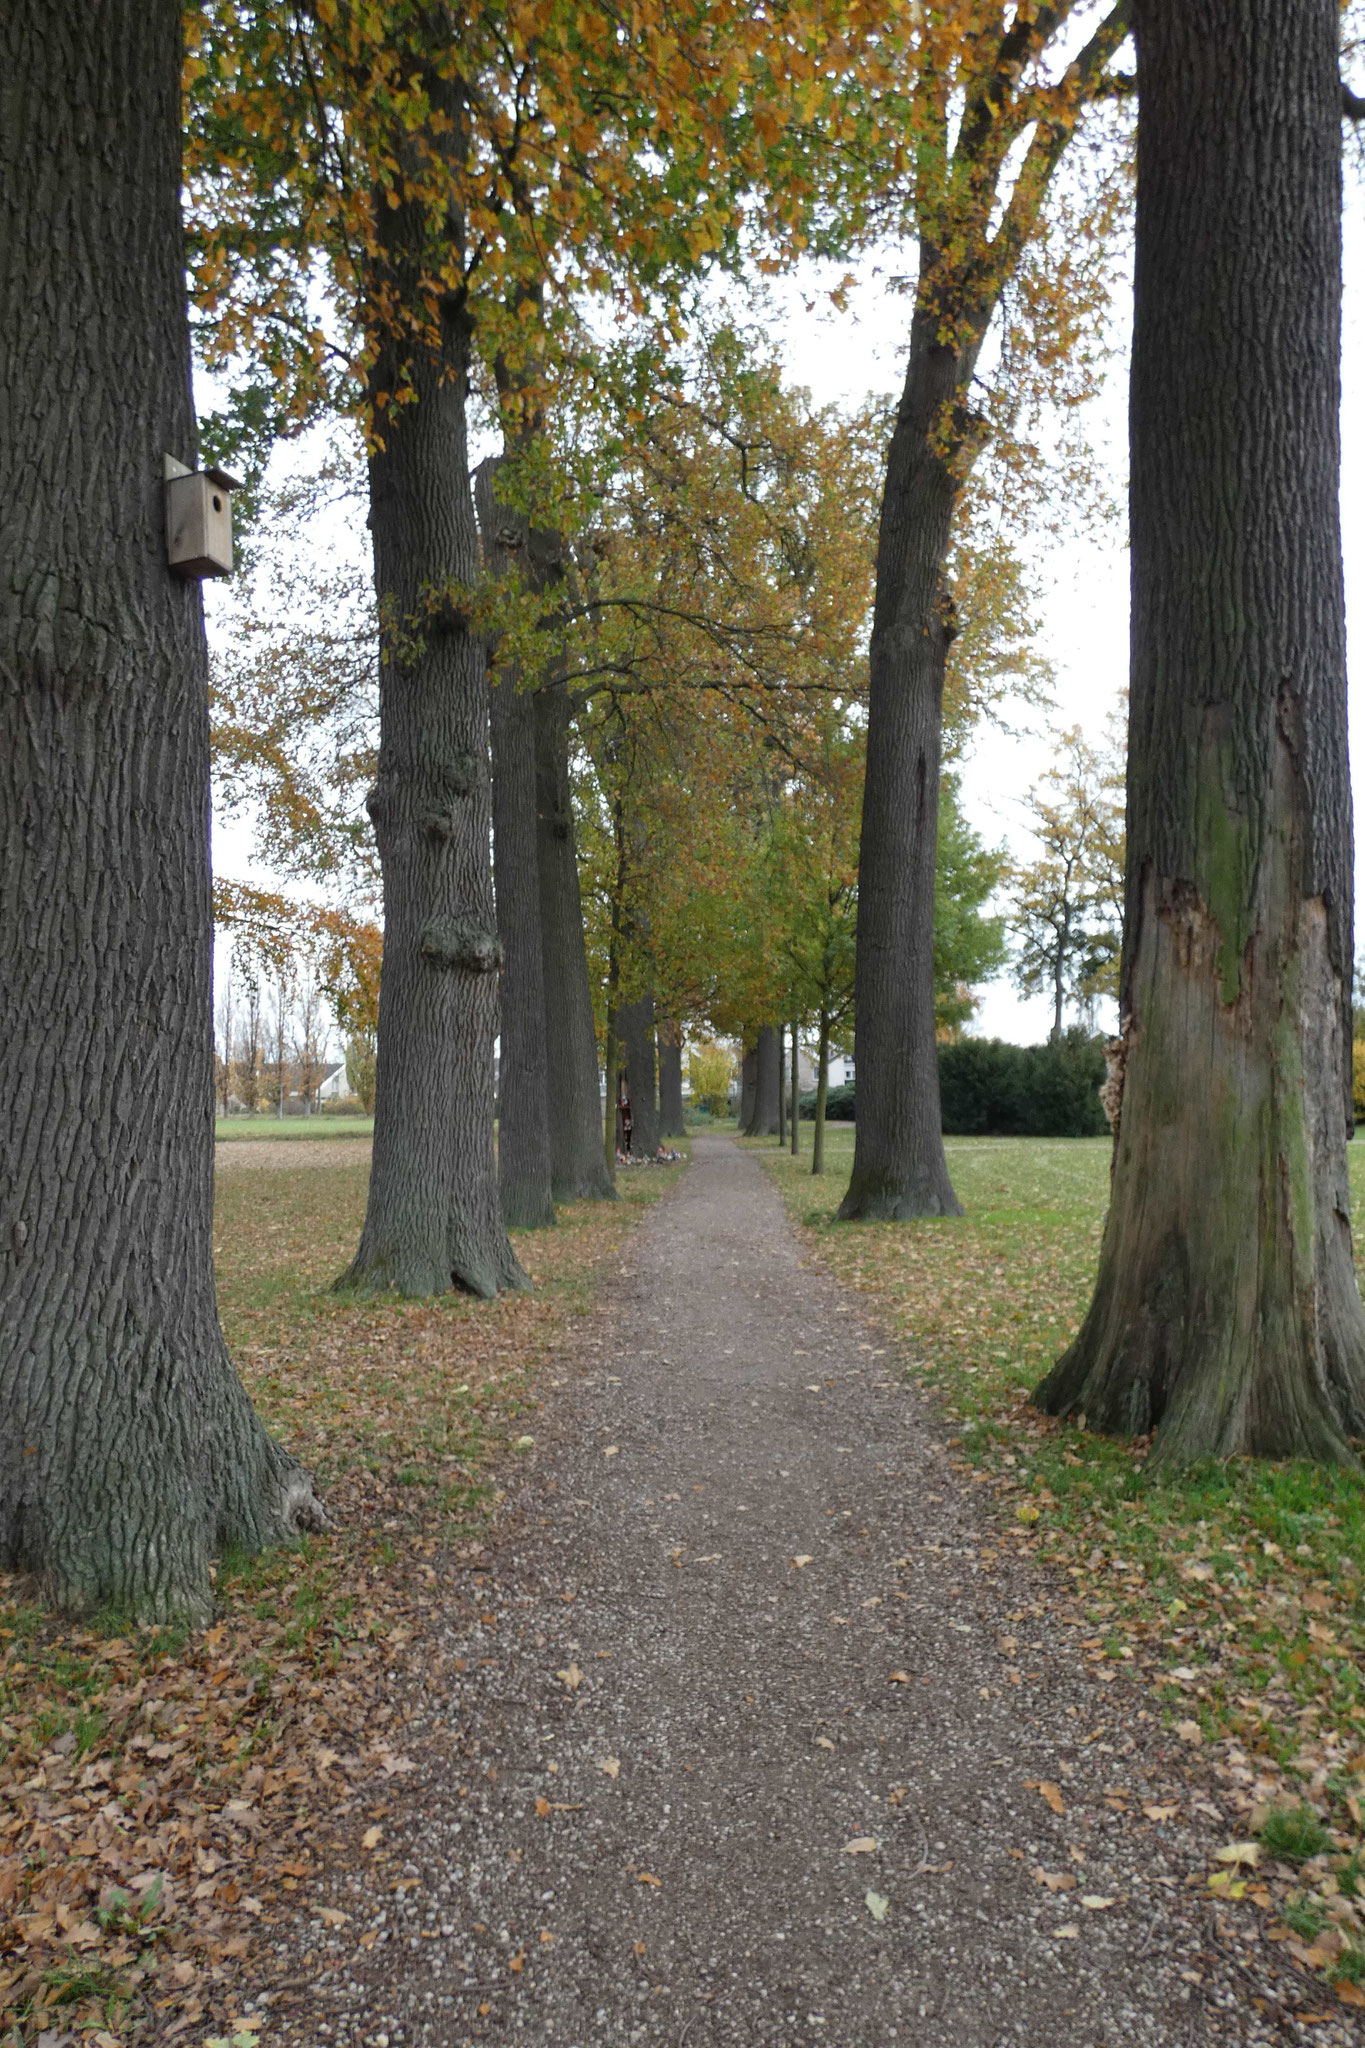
{"points": [[991, 1089]]}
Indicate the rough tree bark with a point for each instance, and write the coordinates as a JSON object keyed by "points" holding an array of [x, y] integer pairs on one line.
{"points": [[972, 236], [1226, 1315], [671, 1121], [635, 1025], [523, 1092], [578, 1167], [767, 1082], [434, 1219], [129, 1451]]}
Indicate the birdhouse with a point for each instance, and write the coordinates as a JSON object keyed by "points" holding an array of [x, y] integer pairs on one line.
{"points": [[198, 520]]}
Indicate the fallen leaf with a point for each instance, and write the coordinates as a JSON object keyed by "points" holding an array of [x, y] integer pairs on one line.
{"points": [[645, 1878], [1027, 1512], [802, 1562], [1056, 1880], [612, 1451], [823, 1742], [877, 1905], [518, 1961], [1239, 1854], [371, 1838], [1093, 1903], [332, 1916], [1053, 1795], [1348, 1993], [1161, 1812], [542, 1806], [1067, 1933], [609, 1766], [571, 1676], [1191, 1732], [861, 1845], [900, 1678]]}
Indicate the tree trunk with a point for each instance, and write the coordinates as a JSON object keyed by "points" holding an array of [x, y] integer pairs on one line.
{"points": [[671, 1120], [434, 1217], [635, 1022], [781, 1085], [748, 1079], [129, 1451], [796, 1092], [523, 1104], [767, 1082], [899, 1166], [577, 1163], [1226, 1315], [817, 1164]]}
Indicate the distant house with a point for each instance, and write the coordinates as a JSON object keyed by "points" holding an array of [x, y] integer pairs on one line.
{"points": [[331, 1087]]}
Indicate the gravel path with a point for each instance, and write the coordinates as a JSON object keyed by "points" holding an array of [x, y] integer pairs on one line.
{"points": [[743, 1735]]}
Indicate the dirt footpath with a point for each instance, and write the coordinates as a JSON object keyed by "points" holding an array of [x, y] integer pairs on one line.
{"points": [[740, 1741]]}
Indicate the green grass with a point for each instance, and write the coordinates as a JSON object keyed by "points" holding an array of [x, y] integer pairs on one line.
{"points": [[226, 1129]]}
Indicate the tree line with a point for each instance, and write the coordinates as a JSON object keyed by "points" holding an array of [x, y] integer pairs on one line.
{"points": [[628, 654]]}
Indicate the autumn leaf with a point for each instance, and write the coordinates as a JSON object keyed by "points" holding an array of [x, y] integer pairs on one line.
{"points": [[861, 1845], [571, 1676], [609, 1766], [371, 1838], [878, 1905]]}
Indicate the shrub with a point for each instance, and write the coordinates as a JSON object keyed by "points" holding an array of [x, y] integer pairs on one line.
{"points": [[990, 1089]]}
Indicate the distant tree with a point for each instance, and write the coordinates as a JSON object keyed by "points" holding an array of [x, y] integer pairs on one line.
{"points": [[1065, 909], [998, 94]]}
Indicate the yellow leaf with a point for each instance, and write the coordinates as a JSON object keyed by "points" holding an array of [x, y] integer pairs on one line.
{"points": [[571, 1676], [371, 1838], [861, 1845], [609, 1766]]}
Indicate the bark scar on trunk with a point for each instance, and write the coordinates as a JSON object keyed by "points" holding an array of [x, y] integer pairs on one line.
{"points": [[458, 942]]}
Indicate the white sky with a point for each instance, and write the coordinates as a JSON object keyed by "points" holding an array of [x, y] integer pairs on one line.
{"points": [[1083, 586]]}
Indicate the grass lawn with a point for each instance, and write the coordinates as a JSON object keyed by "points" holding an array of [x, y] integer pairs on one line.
{"points": [[1235, 1589], [159, 1793], [228, 1128]]}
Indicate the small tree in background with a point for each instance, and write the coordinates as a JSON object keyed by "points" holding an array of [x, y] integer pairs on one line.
{"points": [[710, 1074], [1066, 907]]}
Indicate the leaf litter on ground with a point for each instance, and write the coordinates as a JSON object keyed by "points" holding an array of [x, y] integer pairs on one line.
{"points": [[1233, 1595], [165, 1798]]}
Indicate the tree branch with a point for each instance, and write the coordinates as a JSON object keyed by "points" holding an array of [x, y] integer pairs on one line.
{"points": [[1352, 104]]}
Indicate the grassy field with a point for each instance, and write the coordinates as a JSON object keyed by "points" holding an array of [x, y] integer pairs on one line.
{"points": [[1235, 1589], [229, 1128], [160, 1794]]}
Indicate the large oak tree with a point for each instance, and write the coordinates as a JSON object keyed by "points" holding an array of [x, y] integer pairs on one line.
{"points": [[129, 1451], [1226, 1315]]}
